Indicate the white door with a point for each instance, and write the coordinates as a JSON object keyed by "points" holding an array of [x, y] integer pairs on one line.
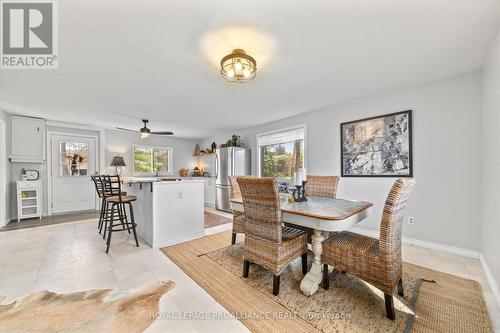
{"points": [[73, 161]]}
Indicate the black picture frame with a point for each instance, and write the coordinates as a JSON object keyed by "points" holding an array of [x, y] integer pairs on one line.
{"points": [[410, 142]]}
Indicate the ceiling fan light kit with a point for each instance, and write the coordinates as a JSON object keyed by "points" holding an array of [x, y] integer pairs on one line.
{"points": [[238, 67], [145, 131]]}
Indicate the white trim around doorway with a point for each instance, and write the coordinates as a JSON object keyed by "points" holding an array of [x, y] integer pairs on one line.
{"points": [[99, 161], [3, 174]]}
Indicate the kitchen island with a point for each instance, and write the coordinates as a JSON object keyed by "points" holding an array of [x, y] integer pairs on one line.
{"points": [[167, 211]]}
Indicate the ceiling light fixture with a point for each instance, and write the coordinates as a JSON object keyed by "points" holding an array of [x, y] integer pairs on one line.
{"points": [[238, 67]]}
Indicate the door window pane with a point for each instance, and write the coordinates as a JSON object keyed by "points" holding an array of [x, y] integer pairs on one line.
{"points": [[73, 158]]}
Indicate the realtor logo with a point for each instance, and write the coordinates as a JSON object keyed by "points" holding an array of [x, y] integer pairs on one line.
{"points": [[29, 35]]}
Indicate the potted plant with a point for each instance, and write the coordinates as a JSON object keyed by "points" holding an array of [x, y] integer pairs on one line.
{"points": [[234, 141]]}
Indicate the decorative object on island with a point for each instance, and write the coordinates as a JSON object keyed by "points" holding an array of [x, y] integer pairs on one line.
{"points": [[234, 141], [377, 147], [214, 146], [145, 131], [118, 162], [238, 67], [183, 172], [197, 149]]}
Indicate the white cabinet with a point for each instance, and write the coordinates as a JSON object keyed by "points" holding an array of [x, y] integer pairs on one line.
{"points": [[28, 199], [27, 139], [210, 192], [168, 212]]}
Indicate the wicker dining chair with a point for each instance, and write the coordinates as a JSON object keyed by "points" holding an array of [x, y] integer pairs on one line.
{"points": [[268, 243], [238, 217], [319, 186], [376, 261], [322, 186]]}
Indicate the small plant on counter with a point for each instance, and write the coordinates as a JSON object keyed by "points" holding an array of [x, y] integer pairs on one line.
{"points": [[235, 141]]}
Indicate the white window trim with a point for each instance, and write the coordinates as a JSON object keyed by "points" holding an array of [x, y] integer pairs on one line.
{"points": [[170, 158], [284, 129]]}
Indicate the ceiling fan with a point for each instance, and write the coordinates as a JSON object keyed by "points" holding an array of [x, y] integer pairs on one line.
{"points": [[145, 131]]}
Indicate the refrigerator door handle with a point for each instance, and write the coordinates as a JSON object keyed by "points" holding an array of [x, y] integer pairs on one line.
{"points": [[216, 167]]}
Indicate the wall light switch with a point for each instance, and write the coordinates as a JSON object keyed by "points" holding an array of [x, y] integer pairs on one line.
{"points": [[411, 220]]}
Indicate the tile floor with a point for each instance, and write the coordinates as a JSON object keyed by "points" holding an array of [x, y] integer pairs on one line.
{"points": [[70, 257]]}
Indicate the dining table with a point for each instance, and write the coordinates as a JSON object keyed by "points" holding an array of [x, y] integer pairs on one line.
{"points": [[323, 215]]}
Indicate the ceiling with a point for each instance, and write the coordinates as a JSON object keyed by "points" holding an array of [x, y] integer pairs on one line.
{"points": [[122, 60]]}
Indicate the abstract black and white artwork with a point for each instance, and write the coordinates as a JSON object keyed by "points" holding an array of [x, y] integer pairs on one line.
{"points": [[377, 147]]}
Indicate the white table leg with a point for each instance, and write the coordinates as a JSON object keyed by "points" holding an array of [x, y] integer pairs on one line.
{"points": [[311, 281]]}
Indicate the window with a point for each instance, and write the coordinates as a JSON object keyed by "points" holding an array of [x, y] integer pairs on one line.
{"points": [[152, 160], [281, 153], [73, 158]]}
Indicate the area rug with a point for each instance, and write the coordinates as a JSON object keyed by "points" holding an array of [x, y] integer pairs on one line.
{"points": [[433, 302], [213, 220], [89, 311]]}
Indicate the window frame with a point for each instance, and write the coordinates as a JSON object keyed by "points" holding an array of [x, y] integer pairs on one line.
{"points": [[277, 131], [170, 151]]}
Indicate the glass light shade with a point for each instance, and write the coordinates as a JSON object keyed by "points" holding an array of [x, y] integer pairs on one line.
{"points": [[238, 67]]}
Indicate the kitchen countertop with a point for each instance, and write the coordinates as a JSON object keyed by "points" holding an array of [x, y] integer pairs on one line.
{"points": [[166, 179]]}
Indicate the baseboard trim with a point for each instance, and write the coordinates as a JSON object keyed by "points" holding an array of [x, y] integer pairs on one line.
{"points": [[218, 228], [491, 280], [425, 244], [172, 240]]}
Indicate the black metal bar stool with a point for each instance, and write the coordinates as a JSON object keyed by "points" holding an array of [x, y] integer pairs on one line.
{"points": [[118, 201], [99, 187]]}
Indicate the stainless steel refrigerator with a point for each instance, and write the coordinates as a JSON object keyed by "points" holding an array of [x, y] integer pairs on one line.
{"points": [[230, 161]]}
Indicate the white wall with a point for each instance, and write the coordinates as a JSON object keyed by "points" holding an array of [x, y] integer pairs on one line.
{"points": [[4, 175], [490, 244], [446, 156], [121, 143]]}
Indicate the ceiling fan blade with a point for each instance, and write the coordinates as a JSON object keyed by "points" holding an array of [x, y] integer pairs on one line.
{"points": [[163, 133], [125, 129]]}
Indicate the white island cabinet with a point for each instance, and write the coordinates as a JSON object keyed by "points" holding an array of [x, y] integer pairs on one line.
{"points": [[168, 212]]}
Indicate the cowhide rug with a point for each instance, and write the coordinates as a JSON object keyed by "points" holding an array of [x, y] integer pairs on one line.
{"points": [[88, 311]]}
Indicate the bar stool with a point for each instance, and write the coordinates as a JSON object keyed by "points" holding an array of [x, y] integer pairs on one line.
{"points": [[118, 201], [99, 187]]}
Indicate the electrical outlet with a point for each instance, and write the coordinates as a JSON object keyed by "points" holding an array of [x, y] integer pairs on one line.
{"points": [[411, 220]]}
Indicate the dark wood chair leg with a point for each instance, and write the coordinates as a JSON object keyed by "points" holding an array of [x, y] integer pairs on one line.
{"points": [[389, 306], [132, 220], [233, 238], [110, 228], [400, 288], [326, 281], [276, 285], [304, 263], [246, 267]]}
